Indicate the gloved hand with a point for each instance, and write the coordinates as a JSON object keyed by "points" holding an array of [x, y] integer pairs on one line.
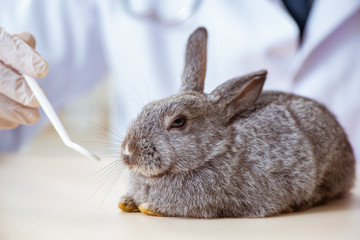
{"points": [[17, 102]]}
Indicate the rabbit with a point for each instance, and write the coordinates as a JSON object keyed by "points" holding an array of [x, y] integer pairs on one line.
{"points": [[235, 152]]}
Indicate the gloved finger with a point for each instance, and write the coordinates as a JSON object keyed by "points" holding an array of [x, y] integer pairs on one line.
{"points": [[19, 55], [6, 124], [17, 113], [27, 37], [14, 86]]}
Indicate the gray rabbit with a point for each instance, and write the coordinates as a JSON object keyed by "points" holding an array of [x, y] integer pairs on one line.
{"points": [[236, 152]]}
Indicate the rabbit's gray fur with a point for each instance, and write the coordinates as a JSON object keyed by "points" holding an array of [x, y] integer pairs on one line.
{"points": [[240, 153]]}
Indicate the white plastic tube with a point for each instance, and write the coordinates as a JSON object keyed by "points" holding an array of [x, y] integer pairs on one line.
{"points": [[54, 119]]}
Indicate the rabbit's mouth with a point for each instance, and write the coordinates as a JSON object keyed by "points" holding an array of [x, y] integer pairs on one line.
{"points": [[146, 171], [146, 167]]}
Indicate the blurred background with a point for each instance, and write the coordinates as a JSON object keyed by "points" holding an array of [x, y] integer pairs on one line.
{"points": [[108, 58], [308, 47]]}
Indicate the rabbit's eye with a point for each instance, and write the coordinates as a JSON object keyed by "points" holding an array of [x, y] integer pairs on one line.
{"points": [[178, 123]]}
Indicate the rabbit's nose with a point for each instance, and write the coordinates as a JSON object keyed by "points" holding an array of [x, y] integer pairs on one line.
{"points": [[127, 154], [126, 149]]}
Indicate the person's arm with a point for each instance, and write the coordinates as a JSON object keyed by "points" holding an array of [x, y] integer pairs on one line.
{"points": [[69, 36], [17, 55]]}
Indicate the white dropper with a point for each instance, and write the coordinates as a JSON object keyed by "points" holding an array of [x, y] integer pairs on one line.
{"points": [[54, 119]]}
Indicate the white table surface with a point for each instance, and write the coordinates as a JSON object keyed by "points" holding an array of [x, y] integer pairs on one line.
{"points": [[56, 197]]}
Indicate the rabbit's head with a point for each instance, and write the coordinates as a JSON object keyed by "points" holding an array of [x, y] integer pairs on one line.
{"points": [[184, 131]]}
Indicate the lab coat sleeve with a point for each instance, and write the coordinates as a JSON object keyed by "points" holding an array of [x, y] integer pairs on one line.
{"points": [[69, 37]]}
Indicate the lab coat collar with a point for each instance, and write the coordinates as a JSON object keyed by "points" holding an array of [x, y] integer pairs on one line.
{"points": [[322, 22]]}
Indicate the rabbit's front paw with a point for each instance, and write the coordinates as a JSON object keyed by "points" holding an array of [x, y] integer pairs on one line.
{"points": [[127, 204], [145, 208]]}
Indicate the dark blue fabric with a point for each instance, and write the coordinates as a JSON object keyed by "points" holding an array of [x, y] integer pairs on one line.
{"points": [[299, 10]]}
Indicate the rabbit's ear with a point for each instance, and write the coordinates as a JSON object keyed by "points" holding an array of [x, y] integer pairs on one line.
{"points": [[238, 94], [195, 62]]}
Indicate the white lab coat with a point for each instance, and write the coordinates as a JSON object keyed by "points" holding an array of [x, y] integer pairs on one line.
{"points": [[83, 40]]}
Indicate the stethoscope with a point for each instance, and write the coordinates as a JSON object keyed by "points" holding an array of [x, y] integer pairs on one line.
{"points": [[158, 12]]}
